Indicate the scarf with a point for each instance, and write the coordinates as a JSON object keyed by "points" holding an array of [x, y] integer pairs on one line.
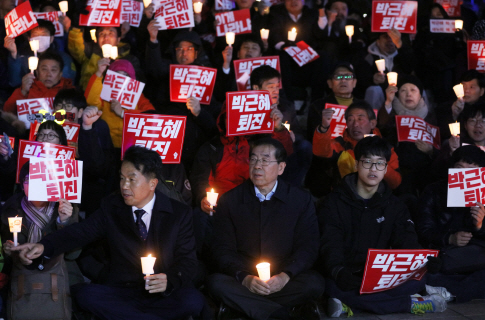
{"points": [[39, 217], [420, 111]]}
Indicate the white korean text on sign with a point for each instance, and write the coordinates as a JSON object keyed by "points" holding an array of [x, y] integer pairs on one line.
{"points": [[244, 67], [302, 53], [131, 12], [476, 55], [466, 187], [191, 81], [174, 14], [441, 26], [248, 112], [33, 106], [238, 21], [411, 128], [20, 20], [102, 13], [401, 15], [54, 18]]}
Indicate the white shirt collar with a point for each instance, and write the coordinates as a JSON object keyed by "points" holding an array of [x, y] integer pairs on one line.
{"points": [[148, 209], [294, 18], [261, 197]]}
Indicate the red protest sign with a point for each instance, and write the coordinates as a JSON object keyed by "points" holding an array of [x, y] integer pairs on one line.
{"points": [[53, 17], [302, 53], [20, 20], [238, 21], [71, 130], [191, 81], [476, 55], [441, 26], [161, 133], [248, 113], [122, 88], [102, 13], [466, 187], [387, 269], [224, 4], [54, 179], [132, 12], [11, 141], [411, 128], [31, 107], [452, 7], [34, 149], [338, 123], [174, 14], [244, 67], [402, 15]]}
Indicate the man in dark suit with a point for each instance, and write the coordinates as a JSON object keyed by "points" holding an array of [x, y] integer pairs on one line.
{"points": [[135, 223], [266, 220]]}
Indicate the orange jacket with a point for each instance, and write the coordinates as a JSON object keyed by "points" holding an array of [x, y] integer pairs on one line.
{"points": [[326, 147], [38, 90], [115, 123]]}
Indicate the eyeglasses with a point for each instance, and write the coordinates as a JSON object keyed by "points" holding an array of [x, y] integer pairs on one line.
{"points": [[343, 77], [189, 49], [66, 106], [264, 162], [474, 122], [380, 165], [49, 136]]}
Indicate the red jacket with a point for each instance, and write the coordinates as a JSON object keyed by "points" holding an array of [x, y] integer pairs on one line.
{"points": [[38, 90]]}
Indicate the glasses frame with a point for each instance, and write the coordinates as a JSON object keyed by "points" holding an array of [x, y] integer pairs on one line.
{"points": [[264, 162], [340, 77], [49, 136], [474, 122], [372, 164]]}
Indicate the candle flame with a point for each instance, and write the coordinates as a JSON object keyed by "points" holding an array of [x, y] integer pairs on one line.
{"points": [[149, 256], [293, 30], [212, 190]]}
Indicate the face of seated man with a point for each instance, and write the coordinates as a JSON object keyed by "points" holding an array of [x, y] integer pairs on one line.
{"points": [[273, 86], [358, 124], [137, 190], [341, 86], [294, 6], [472, 91], [49, 72], [185, 53], [107, 35], [264, 176], [341, 9], [244, 4], [248, 50], [385, 44], [475, 127]]}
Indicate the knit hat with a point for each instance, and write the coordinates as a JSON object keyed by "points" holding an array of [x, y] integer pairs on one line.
{"points": [[405, 78], [190, 36], [478, 32], [123, 65]]}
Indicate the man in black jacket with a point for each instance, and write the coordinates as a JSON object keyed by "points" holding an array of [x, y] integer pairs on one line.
{"points": [[265, 220], [135, 223]]}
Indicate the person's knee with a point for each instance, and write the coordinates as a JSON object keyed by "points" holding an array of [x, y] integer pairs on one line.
{"points": [[315, 285], [192, 301], [219, 284]]}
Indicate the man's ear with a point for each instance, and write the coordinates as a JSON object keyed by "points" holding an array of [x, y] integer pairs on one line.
{"points": [[329, 82], [153, 183], [255, 87], [52, 39], [482, 91], [281, 168], [373, 124]]}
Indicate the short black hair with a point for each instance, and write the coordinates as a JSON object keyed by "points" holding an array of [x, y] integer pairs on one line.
{"points": [[372, 146], [72, 96], [248, 37], [146, 161], [472, 74], [48, 3], [262, 74], [470, 154], [280, 151], [45, 24], [118, 31], [472, 111], [50, 55], [57, 128], [442, 10], [361, 105]]}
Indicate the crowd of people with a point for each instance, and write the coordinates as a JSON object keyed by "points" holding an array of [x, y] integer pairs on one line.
{"points": [[309, 203]]}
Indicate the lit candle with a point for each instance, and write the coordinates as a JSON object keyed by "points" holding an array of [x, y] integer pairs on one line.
{"points": [[106, 50], [33, 62], [292, 35], [392, 78], [15, 225], [264, 271], [146, 3], [368, 135], [114, 52], [458, 25], [230, 36], [381, 65], [454, 128], [93, 34], [212, 198], [63, 6], [287, 125], [198, 7], [459, 91], [34, 45], [147, 264], [264, 34], [349, 30]]}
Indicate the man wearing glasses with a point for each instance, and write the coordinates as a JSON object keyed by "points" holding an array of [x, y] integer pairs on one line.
{"points": [[334, 158], [265, 220]]}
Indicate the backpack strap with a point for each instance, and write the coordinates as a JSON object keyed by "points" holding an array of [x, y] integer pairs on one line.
{"points": [[54, 287], [21, 281]]}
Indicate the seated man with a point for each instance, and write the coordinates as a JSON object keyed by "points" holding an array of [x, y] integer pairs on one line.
{"points": [[361, 214], [334, 158], [138, 222], [48, 82], [265, 220]]}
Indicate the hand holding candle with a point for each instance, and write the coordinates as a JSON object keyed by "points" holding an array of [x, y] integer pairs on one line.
{"points": [[349, 30], [212, 198], [264, 271], [292, 35], [106, 50], [230, 38], [454, 129], [15, 225], [459, 91], [392, 78], [33, 62]]}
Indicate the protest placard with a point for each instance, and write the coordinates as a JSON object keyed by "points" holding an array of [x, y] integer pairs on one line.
{"points": [[162, 133], [401, 15], [338, 123], [102, 13], [466, 187], [302, 53], [33, 106], [191, 81], [441, 26], [53, 17], [387, 269], [244, 67], [174, 14], [225, 5], [132, 12], [411, 128], [238, 21], [54, 179], [122, 88], [248, 112], [20, 20], [452, 7], [71, 130], [476, 55], [34, 149]]}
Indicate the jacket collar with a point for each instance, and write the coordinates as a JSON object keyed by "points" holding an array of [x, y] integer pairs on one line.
{"points": [[282, 192]]}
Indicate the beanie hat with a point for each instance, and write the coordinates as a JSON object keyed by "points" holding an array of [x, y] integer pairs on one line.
{"points": [[405, 78], [123, 65]]}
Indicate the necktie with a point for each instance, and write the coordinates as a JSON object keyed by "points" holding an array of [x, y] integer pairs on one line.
{"points": [[142, 228]]}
